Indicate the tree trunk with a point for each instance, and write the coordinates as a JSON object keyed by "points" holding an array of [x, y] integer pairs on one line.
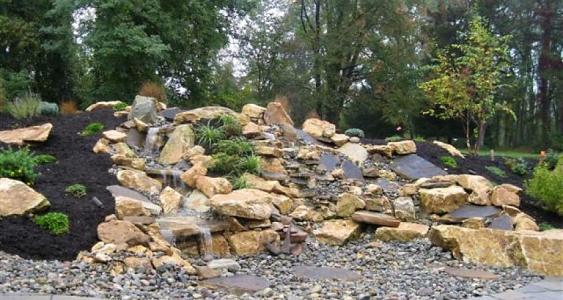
{"points": [[543, 99], [480, 136]]}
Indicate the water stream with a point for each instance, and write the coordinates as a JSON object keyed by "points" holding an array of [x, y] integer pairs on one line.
{"points": [[206, 243], [151, 142]]}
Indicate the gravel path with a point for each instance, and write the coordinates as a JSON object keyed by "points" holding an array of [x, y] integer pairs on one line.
{"points": [[387, 271]]}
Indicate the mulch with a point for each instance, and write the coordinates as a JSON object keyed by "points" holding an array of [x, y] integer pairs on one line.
{"points": [[76, 163], [477, 165]]}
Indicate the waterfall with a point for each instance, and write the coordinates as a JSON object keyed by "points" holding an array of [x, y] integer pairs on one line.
{"points": [[168, 235], [151, 142], [206, 242]]}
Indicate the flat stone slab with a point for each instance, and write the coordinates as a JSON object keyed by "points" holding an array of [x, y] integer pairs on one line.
{"points": [[329, 162], [324, 273], [503, 222], [473, 211], [239, 283], [470, 273], [351, 171], [120, 191], [185, 226], [415, 167], [370, 217], [387, 186], [305, 137], [170, 113]]}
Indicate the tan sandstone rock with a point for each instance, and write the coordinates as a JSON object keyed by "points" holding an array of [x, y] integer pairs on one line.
{"points": [[347, 204], [16, 198], [138, 180], [121, 232], [502, 195], [245, 203], [191, 175], [253, 111], [319, 129], [211, 186], [337, 232], [450, 148], [170, 200], [404, 232], [276, 114], [252, 242], [442, 200], [180, 141], [114, 136], [402, 147], [480, 186], [28, 134]]}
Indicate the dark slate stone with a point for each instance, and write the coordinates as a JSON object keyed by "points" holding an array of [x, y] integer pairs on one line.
{"points": [[414, 167], [117, 191], [387, 186], [305, 137], [323, 273], [135, 138], [170, 113], [503, 222], [329, 162], [473, 211], [351, 171], [239, 283]]}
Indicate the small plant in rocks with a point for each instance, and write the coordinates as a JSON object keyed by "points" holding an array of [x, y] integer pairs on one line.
{"points": [[496, 171], [551, 158], [77, 190], [92, 129], [230, 125], [449, 162], [518, 166], [19, 164], [239, 183], [547, 186], [207, 135], [250, 164], [355, 132], [56, 223], [237, 146], [120, 106]]}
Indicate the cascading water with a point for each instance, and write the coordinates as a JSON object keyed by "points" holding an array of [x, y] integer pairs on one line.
{"points": [[151, 142], [206, 242], [168, 235]]}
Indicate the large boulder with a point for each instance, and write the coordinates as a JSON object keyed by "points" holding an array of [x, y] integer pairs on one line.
{"points": [[402, 147], [337, 232], [479, 186], [139, 181], [355, 152], [253, 111], [442, 200], [191, 175], [121, 232], [180, 141], [144, 109], [170, 200], [16, 198], [503, 195], [275, 114], [204, 113], [252, 242], [28, 134], [404, 232], [319, 129], [539, 251], [245, 203]]}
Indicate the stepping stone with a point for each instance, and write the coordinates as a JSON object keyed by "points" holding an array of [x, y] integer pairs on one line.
{"points": [[323, 273], [415, 167], [472, 211], [370, 217], [224, 263], [239, 284], [470, 273], [351, 171], [503, 222], [329, 162]]}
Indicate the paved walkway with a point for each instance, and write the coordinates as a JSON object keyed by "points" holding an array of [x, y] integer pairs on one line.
{"points": [[547, 289]]}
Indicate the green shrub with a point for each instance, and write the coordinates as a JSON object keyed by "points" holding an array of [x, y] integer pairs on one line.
{"points": [[518, 166], [230, 125], [238, 146], [55, 222], [250, 164], [44, 159], [547, 187], [419, 138], [545, 226], [48, 108], [551, 159], [77, 190], [449, 162], [496, 171], [355, 132], [207, 135], [18, 164], [24, 107], [120, 106], [239, 183], [395, 138], [223, 163], [92, 129]]}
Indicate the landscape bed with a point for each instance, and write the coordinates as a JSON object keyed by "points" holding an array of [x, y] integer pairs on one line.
{"points": [[76, 163]]}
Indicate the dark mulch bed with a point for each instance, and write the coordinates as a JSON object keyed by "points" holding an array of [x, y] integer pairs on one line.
{"points": [[477, 165], [76, 163]]}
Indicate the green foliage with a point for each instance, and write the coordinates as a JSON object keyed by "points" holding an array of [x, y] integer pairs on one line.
{"points": [[551, 159], [230, 125], [223, 163], [120, 106], [92, 129], [44, 159], [467, 77], [56, 223], [496, 171], [18, 164], [250, 164], [545, 226], [547, 187], [419, 138], [239, 183], [208, 135], [518, 166], [48, 108], [355, 132], [394, 138], [24, 107], [239, 147], [77, 190], [449, 162]]}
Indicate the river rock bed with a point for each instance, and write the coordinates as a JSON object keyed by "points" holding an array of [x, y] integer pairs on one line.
{"points": [[413, 270]]}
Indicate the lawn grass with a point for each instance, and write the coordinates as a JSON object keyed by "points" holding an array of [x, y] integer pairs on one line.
{"points": [[505, 153]]}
